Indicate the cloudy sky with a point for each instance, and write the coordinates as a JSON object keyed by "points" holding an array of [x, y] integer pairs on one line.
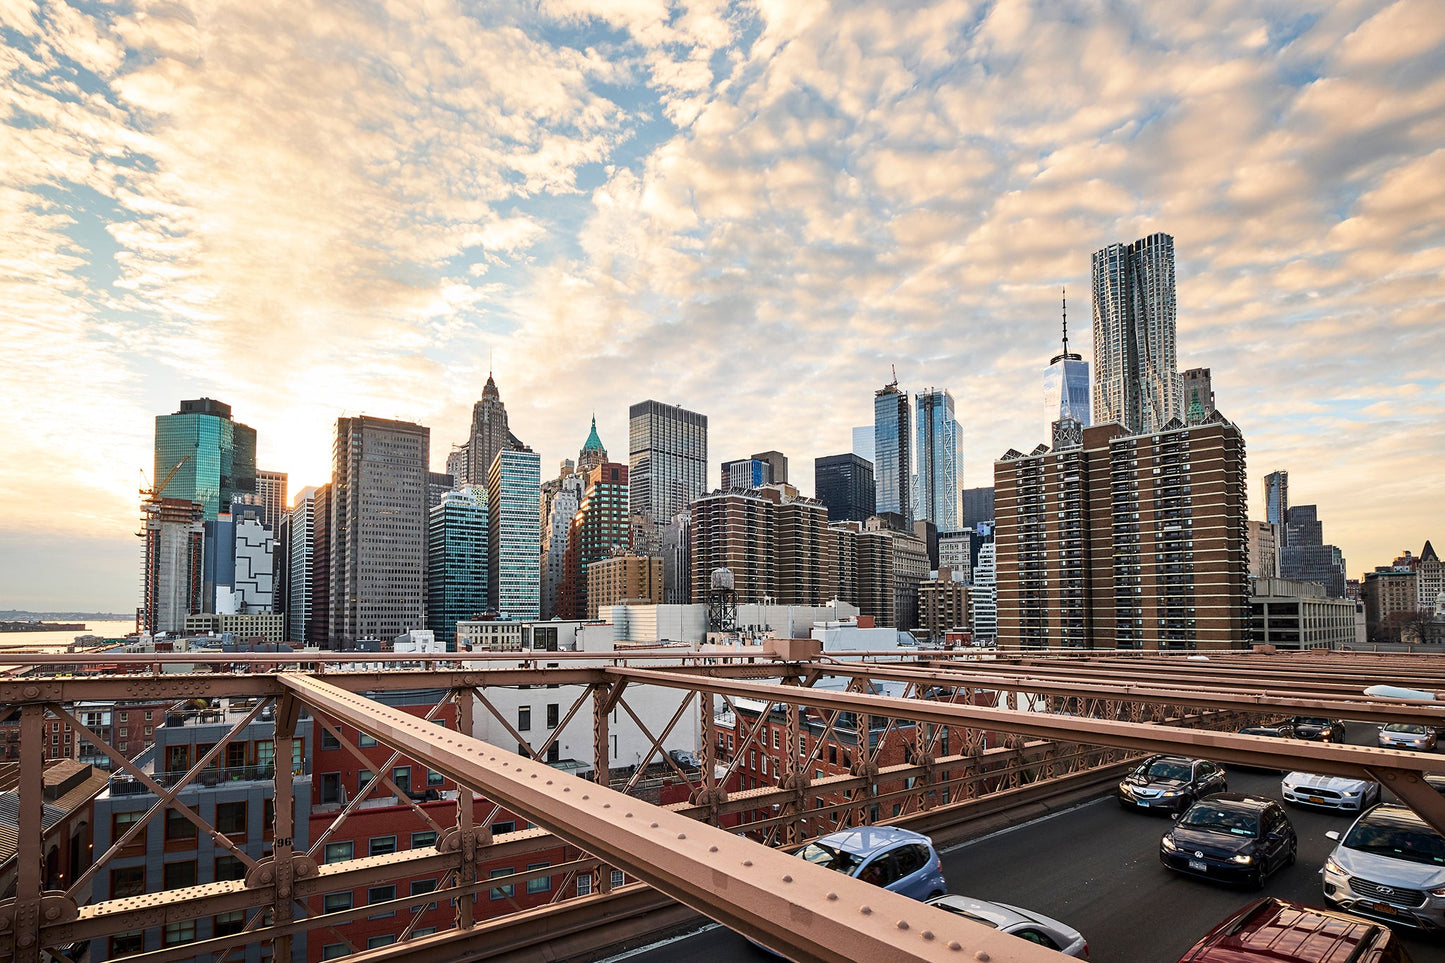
{"points": [[750, 209]]}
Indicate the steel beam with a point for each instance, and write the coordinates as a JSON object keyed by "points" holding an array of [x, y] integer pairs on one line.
{"points": [[803, 911]]}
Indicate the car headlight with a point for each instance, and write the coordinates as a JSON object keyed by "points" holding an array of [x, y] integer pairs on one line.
{"points": [[1349, 792], [1333, 867], [1438, 892], [1168, 843], [1170, 792], [1242, 858]]}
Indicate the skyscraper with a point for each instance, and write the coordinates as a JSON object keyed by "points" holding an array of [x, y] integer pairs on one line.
{"points": [[171, 579], [893, 452], [378, 528], [598, 530], [1305, 556], [217, 456], [514, 537], [270, 497], [1276, 503], [667, 459], [1198, 397], [456, 577], [746, 473], [1066, 385], [844, 484], [490, 434], [863, 443], [940, 462], [1136, 376], [302, 534]]}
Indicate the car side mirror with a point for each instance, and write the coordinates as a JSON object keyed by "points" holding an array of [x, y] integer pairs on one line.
{"points": [[1333, 834], [1176, 816]]}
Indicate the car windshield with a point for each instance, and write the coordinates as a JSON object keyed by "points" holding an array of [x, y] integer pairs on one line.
{"points": [[1409, 727], [1167, 769], [966, 914], [1216, 819], [830, 858], [1400, 842], [1310, 721]]}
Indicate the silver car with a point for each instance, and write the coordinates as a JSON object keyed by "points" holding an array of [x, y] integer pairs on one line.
{"points": [[1330, 792], [1025, 924], [1390, 866], [1407, 735]]}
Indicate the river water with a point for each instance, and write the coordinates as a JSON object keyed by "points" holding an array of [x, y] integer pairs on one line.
{"points": [[60, 640]]}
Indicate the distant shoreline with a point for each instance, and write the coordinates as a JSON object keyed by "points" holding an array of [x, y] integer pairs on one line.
{"points": [[42, 626]]}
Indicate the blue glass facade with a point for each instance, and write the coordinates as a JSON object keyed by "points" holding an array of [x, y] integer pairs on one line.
{"points": [[1066, 392], [940, 461], [893, 453], [456, 562], [222, 462]]}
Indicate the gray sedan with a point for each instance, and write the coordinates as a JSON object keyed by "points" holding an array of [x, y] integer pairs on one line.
{"points": [[1407, 735], [1025, 924]]}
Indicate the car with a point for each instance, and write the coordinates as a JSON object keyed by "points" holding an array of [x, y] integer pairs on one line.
{"points": [[1274, 930], [1170, 783], [896, 859], [1331, 792], [1407, 735], [1025, 924], [1282, 731], [1435, 781], [1318, 729], [1230, 837], [1390, 866]]}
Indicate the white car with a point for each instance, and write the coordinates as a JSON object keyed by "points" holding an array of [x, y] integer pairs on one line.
{"points": [[1025, 924], [1330, 792]]}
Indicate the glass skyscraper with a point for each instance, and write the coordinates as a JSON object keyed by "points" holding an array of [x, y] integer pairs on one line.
{"points": [[940, 461], [1136, 374], [892, 453], [222, 456], [456, 574], [514, 544], [1066, 385], [1276, 503], [667, 459]]}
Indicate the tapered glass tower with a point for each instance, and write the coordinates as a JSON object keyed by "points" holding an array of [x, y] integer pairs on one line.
{"points": [[940, 461]]}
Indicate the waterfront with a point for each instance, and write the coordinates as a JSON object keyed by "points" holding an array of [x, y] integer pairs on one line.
{"points": [[63, 639]]}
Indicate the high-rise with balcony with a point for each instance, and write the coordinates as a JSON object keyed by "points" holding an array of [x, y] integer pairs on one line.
{"points": [[892, 453], [1125, 541], [1136, 376], [667, 459], [378, 528], [939, 460], [514, 542]]}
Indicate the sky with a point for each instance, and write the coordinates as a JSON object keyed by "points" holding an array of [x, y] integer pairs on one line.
{"points": [[754, 210]]}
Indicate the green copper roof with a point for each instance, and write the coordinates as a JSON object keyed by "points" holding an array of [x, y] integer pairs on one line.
{"points": [[593, 443]]}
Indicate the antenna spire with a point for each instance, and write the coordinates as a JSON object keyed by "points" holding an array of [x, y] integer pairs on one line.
{"points": [[1064, 294]]}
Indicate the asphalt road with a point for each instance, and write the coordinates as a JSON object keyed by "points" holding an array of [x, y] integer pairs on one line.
{"points": [[1097, 868]]}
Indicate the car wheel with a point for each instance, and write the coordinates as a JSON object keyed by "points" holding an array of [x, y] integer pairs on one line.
{"points": [[935, 894], [1257, 880], [1293, 853]]}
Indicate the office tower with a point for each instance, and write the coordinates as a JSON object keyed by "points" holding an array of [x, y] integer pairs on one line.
{"points": [[676, 538], [845, 487], [318, 621], [745, 473], [667, 459], [1066, 385], [600, 529], [1136, 376], [863, 443], [171, 579], [456, 572], [737, 531], [254, 565], [270, 497], [1198, 395], [1125, 541], [1263, 550], [1305, 556], [299, 565], [939, 459], [892, 446], [457, 464], [1276, 503], [216, 456], [490, 434], [977, 506], [377, 529], [438, 483], [623, 578], [593, 452], [956, 553], [514, 541], [777, 466]]}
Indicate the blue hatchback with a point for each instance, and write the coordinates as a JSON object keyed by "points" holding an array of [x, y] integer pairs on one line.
{"points": [[896, 859]]}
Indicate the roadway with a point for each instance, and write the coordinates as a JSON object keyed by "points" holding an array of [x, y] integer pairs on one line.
{"points": [[1097, 868]]}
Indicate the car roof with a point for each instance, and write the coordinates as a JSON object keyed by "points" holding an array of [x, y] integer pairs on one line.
{"points": [[867, 840], [995, 914], [1238, 800], [1274, 929], [1163, 758], [1393, 814]]}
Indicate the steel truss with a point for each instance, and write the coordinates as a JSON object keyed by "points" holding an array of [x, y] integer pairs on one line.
{"points": [[1056, 723]]}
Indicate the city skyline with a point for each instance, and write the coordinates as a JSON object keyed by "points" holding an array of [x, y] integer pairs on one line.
{"points": [[747, 212]]}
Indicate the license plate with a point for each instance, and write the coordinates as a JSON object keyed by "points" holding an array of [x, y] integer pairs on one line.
{"points": [[1142, 803], [1317, 799], [1386, 908], [1199, 865]]}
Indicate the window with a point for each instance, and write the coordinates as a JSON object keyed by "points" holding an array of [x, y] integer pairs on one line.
{"points": [[229, 867], [552, 715], [125, 944], [401, 775], [434, 778], [331, 787], [584, 885], [542, 884], [381, 845], [336, 902], [179, 875], [365, 741], [502, 892], [124, 732], [618, 878], [506, 827], [225, 924], [178, 826], [381, 894], [387, 939], [423, 839], [554, 752], [120, 822], [328, 741], [235, 755], [332, 951], [524, 718], [182, 932], [231, 817], [265, 752], [419, 886], [338, 852], [363, 778], [129, 881]]}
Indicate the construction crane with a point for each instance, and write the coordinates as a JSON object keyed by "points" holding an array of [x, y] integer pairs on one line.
{"points": [[154, 493]]}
